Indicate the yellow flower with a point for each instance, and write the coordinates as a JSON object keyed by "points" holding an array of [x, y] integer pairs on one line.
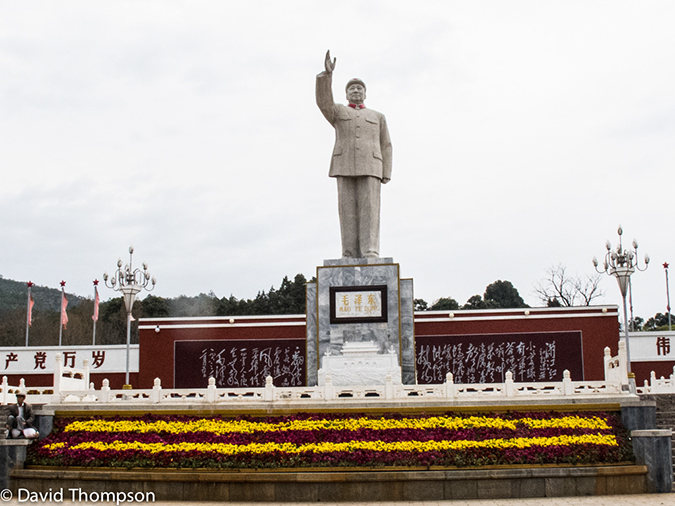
{"points": [[348, 446]]}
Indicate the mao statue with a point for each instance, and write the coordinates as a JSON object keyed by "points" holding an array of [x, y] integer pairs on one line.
{"points": [[361, 162]]}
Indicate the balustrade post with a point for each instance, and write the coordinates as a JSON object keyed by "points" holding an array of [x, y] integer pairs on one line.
{"points": [[211, 390], [268, 394], [105, 391], [58, 373], [388, 387], [5, 387], [328, 391], [608, 360], [656, 388], [568, 388], [85, 376], [449, 386], [156, 395], [509, 388]]}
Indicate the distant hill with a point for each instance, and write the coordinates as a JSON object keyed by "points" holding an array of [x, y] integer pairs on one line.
{"points": [[111, 326], [13, 295]]}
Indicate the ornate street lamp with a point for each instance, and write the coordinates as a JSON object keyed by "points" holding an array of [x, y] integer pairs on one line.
{"points": [[129, 282], [621, 263]]}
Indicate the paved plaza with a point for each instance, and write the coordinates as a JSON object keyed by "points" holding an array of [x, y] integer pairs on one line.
{"points": [[603, 500]]}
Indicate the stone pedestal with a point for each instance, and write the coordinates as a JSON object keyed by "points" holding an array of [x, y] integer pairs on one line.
{"points": [[44, 421], [653, 448], [12, 456], [360, 300]]}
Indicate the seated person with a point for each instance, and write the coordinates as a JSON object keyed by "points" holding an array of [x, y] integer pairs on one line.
{"points": [[20, 420]]}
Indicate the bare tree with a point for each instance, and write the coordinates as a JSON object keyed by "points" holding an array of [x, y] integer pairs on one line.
{"points": [[562, 289]]}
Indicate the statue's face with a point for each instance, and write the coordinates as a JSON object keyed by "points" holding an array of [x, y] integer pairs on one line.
{"points": [[356, 93]]}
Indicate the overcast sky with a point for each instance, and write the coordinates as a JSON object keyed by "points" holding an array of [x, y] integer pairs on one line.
{"points": [[524, 133]]}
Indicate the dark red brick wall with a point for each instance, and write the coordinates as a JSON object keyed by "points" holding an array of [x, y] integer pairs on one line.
{"points": [[156, 354], [598, 329]]}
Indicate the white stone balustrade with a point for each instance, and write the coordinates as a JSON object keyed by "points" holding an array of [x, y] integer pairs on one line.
{"points": [[70, 378], [72, 386], [38, 395], [616, 368], [658, 386], [64, 379], [448, 391]]}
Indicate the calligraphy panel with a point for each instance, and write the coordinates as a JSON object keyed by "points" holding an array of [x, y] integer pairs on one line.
{"points": [[239, 363], [486, 358]]}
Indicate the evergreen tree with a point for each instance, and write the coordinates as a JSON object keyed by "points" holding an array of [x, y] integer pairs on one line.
{"points": [[504, 294], [444, 304]]}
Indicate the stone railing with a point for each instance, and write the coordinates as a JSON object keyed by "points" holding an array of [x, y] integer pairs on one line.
{"points": [[448, 391], [37, 395], [658, 386], [65, 379], [616, 368], [70, 378]]}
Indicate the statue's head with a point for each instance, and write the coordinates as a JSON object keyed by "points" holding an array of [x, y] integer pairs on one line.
{"points": [[356, 91]]}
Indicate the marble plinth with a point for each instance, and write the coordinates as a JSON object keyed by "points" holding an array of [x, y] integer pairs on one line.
{"points": [[360, 364], [327, 334]]}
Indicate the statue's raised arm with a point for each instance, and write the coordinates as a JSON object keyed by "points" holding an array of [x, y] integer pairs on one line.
{"points": [[330, 65]]}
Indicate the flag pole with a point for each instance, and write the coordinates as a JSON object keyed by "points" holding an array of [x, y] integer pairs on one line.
{"points": [[670, 325], [29, 311], [95, 316], [63, 296]]}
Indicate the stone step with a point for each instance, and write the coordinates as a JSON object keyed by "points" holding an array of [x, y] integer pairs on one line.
{"points": [[665, 414]]}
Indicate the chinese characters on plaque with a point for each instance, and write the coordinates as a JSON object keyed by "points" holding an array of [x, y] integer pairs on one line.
{"points": [[358, 304], [486, 358], [663, 345], [651, 346], [239, 363], [69, 358], [42, 360]]}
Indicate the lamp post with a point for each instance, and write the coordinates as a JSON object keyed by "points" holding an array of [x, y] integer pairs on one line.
{"points": [[621, 263], [129, 282]]}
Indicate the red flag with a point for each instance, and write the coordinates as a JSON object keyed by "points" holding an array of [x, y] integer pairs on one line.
{"points": [[95, 317], [64, 315], [31, 303]]}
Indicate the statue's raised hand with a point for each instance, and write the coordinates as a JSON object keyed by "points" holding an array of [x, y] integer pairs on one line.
{"points": [[330, 65]]}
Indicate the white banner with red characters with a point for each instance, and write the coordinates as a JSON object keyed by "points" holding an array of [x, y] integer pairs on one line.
{"points": [[42, 359], [652, 346]]}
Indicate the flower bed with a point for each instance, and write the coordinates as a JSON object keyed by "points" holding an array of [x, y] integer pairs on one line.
{"points": [[335, 440]]}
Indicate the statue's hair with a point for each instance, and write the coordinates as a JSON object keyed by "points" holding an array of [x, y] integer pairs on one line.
{"points": [[357, 81]]}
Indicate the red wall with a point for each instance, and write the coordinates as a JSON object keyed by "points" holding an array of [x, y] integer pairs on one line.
{"points": [[643, 370], [598, 328], [156, 352]]}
